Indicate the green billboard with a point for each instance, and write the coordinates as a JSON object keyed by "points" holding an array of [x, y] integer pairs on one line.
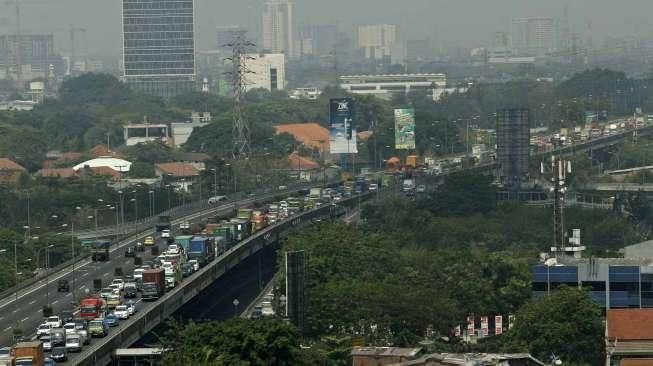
{"points": [[404, 129]]}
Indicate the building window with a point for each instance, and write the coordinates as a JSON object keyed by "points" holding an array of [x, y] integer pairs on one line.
{"points": [[274, 85]]}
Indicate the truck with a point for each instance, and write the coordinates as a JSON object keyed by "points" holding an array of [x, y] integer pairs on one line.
{"points": [[173, 274], [92, 307], [315, 193], [225, 231], [28, 353], [202, 249], [360, 185], [245, 213], [184, 242], [100, 250], [242, 229], [162, 223], [408, 185], [259, 221], [153, 284]]}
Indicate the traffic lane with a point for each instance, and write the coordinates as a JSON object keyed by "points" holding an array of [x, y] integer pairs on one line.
{"points": [[29, 314]]}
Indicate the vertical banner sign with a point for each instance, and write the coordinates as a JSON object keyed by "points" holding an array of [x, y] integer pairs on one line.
{"points": [[456, 331], [485, 326], [342, 131], [405, 129], [511, 321], [470, 326], [498, 325]]}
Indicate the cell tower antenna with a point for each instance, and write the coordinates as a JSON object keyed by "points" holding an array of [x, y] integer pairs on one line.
{"points": [[240, 48]]}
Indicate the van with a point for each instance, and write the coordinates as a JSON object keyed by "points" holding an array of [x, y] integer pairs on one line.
{"points": [[217, 199]]}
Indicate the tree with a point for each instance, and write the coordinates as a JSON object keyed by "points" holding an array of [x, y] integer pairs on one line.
{"points": [[566, 323], [236, 341], [463, 194]]}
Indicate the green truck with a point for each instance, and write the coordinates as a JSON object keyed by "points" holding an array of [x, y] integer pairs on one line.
{"points": [[184, 241]]}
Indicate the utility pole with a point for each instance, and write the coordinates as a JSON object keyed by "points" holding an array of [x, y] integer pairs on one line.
{"points": [[559, 170], [240, 47]]}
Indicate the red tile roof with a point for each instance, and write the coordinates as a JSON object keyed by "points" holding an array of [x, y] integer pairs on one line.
{"points": [[10, 165], [636, 362], [310, 134], [106, 171], [177, 169], [301, 163], [56, 172], [630, 324], [102, 150], [71, 155]]}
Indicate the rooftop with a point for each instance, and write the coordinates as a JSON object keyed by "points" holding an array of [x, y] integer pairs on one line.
{"points": [[116, 164], [177, 169], [480, 359], [10, 165], [301, 163], [385, 351], [310, 134], [629, 324], [56, 173]]}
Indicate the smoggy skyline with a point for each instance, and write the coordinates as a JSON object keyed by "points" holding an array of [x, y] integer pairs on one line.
{"points": [[451, 23]]}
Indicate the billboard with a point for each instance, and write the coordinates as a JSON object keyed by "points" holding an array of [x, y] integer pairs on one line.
{"points": [[405, 129], [498, 325], [342, 131], [485, 326]]}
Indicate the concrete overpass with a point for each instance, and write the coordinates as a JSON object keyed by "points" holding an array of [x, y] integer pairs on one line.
{"points": [[153, 314]]}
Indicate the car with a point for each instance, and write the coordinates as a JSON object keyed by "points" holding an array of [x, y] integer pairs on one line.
{"points": [[131, 290], [54, 321], [186, 270], [111, 320], [69, 328], [165, 233], [195, 264], [130, 252], [132, 307], [47, 344], [139, 247], [98, 328], [149, 241], [74, 343], [113, 301], [106, 292], [66, 316], [120, 282], [115, 288], [59, 354], [63, 286], [217, 199], [48, 362], [282, 188], [43, 329], [173, 249], [5, 352], [421, 188], [121, 312]]}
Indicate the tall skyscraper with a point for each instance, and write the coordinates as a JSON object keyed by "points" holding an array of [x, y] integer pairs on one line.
{"points": [[278, 27], [159, 46], [533, 36], [513, 139], [36, 54], [376, 40]]}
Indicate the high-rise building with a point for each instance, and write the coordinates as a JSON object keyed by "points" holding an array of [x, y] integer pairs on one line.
{"points": [[35, 55], [376, 40], [159, 46], [267, 71], [323, 37], [533, 36], [278, 27], [513, 139]]}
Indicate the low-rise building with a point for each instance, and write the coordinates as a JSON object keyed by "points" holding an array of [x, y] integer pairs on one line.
{"points": [[136, 133], [180, 175], [380, 356], [387, 86], [118, 165], [310, 134], [10, 171], [485, 359], [629, 336], [304, 168]]}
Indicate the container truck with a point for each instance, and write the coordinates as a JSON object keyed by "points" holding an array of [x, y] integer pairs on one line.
{"points": [[202, 250], [184, 242], [92, 307], [242, 229], [100, 250], [28, 353], [225, 231], [259, 221], [153, 284], [245, 213]]}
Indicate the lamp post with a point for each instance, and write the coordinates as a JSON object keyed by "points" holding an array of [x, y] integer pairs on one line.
{"points": [[72, 252], [215, 182], [47, 274], [151, 194]]}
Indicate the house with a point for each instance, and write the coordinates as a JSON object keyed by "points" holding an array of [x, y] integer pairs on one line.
{"points": [[305, 168], [9, 171], [181, 175], [486, 359], [119, 165], [311, 135], [56, 173], [102, 150], [381, 356], [629, 336], [198, 160]]}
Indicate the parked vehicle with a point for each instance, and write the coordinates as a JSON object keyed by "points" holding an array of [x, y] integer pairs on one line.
{"points": [[153, 284], [28, 353], [91, 307], [100, 250]]}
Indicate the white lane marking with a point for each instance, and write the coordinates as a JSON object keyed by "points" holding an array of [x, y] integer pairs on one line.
{"points": [[27, 318], [15, 311], [55, 301], [85, 274], [106, 274], [32, 302], [6, 329], [69, 294]]}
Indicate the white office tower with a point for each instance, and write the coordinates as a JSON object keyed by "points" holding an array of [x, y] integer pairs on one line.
{"points": [[278, 27]]}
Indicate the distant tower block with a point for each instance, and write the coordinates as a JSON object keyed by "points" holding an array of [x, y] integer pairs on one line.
{"points": [[513, 139]]}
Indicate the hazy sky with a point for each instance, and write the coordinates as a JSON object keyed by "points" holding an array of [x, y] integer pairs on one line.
{"points": [[453, 22]]}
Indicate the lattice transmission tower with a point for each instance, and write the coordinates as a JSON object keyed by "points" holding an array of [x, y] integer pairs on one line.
{"points": [[240, 48]]}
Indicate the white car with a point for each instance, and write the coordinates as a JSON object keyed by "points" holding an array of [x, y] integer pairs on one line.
{"points": [[73, 342], [43, 329], [54, 321], [70, 328], [138, 274], [120, 282], [173, 249], [131, 308], [47, 344], [165, 233], [195, 264], [216, 199], [115, 289], [121, 312]]}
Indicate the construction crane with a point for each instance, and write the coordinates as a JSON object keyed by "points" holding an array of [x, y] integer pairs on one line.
{"points": [[72, 33]]}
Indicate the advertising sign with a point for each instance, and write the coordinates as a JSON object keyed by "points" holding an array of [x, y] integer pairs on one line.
{"points": [[470, 325], [456, 331], [511, 321], [485, 326], [405, 129], [342, 132], [498, 325]]}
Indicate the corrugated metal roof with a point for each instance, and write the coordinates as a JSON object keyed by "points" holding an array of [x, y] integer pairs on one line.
{"points": [[630, 324], [178, 169]]}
